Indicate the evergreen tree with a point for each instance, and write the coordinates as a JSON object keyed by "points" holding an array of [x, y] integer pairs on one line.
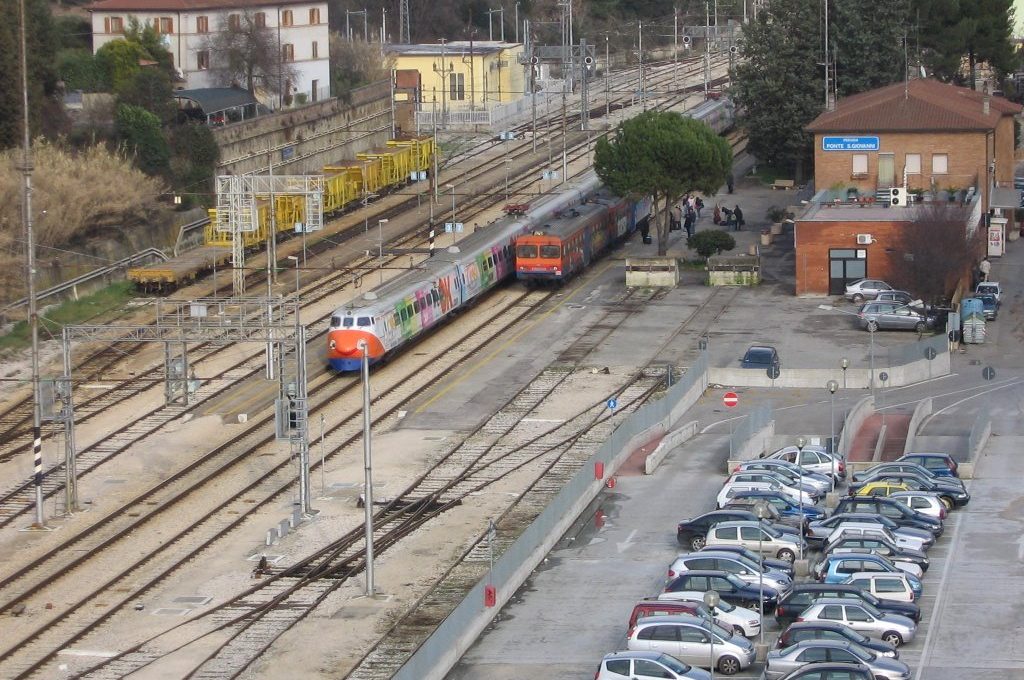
{"points": [[140, 131], [42, 77], [866, 43], [950, 31], [779, 86]]}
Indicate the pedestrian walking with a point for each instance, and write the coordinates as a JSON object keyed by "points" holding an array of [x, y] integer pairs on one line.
{"points": [[699, 205], [688, 222], [738, 214], [716, 216], [674, 217], [985, 267], [730, 182]]}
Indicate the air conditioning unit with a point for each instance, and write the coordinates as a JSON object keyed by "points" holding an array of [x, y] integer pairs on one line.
{"points": [[864, 239], [898, 196]]}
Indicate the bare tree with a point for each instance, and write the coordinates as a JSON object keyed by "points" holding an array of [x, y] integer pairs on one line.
{"points": [[936, 251], [246, 53]]}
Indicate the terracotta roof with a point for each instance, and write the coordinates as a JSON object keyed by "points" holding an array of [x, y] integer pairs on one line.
{"points": [[185, 5], [920, 105]]}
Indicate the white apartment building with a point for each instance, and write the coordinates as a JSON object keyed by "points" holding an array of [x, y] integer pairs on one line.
{"points": [[300, 27]]}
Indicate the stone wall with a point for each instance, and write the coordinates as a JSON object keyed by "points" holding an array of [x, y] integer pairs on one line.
{"points": [[304, 139]]}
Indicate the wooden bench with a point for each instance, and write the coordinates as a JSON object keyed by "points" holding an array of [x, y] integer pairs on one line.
{"points": [[786, 184]]}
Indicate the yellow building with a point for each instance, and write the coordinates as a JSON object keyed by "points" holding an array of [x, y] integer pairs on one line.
{"points": [[460, 75]]}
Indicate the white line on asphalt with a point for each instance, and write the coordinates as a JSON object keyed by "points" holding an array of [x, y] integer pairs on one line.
{"points": [[915, 384], [957, 403], [936, 610], [624, 545]]}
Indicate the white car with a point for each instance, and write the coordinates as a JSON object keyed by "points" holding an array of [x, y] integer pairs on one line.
{"points": [[990, 288], [924, 502], [789, 471], [884, 586], [865, 289], [778, 483], [693, 641], [734, 563], [875, 530], [727, 615], [813, 458], [731, 488]]}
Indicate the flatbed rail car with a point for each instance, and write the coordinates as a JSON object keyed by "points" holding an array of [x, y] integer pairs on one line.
{"points": [[347, 183]]}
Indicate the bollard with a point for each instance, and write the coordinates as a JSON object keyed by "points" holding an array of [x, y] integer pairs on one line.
{"points": [[282, 528], [271, 536], [490, 596], [599, 470]]}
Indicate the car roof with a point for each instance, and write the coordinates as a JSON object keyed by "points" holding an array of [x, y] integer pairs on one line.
{"points": [[877, 574], [831, 625], [823, 643], [852, 556], [826, 666], [811, 586], [672, 618], [736, 523], [633, 654], [833, 600]]}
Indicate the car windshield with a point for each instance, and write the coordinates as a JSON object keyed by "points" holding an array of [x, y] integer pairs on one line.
{"points": [[773, 532], [871, 609], [550, 251], [725, 606], [758, 355], [673, 664], [719, 631], [861, 653]]}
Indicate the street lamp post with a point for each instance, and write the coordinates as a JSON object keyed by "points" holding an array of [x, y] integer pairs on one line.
{"points": [[832, 386], [380, 247], [844, 363], [801, 442], [711, 599], [761, 510]]}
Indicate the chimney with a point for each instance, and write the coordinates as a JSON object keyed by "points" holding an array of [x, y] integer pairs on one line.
{"points": [[985, 105]]}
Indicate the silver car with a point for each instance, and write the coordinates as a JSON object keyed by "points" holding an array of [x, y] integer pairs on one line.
{"points": [[733, 563], [862, 617], [782, 661], [619, 665], [922, 501], [820, 529], [813, 458], [865, 289], [752, 536], [790, 472], [875, 316], [689, 639]]}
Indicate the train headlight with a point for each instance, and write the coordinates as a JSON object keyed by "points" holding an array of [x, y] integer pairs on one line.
{"points": [[332, 344]]}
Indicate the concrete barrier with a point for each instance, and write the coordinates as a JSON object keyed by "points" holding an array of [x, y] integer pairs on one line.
{"points": [[921, 411], [879, 444], [854, 419], [756, 444], [669, 442], [856, 378]]}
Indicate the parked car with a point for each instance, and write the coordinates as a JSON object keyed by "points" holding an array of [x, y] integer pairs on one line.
{"points": [[759, 538], [989, 307], [838, 568], [989, 288], [655, 606], [813, 458], [794, 473], [925, 502], [760, 356], [772, 563], [693, 532], [727, 615], [731, 588], [951, 493], [891, 509], [911, 561], [831, 671], [876, 316], [920, 537], [903, 466], [779, 662], [692, 641], [865, 289], [872, 530], [877, 488], [826, 630], [779, 483], [940, 464], [786, 506], [892, 628], [793, 603], [900, 297], [730, 488], [892, 587], [629, 664], [748, 570]]}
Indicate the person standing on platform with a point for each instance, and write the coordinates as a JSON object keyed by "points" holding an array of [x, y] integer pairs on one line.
{"points": [[738, 216], [985, 267]]}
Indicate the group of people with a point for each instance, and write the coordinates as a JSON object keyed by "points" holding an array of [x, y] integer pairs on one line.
{"points": [[732, 219], [685, 213]]}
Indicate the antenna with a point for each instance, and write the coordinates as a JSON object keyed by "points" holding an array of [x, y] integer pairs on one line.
{"points": [[906, 71]]}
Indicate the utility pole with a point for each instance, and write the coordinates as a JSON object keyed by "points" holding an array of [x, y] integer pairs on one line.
{"points": [[707, 46], [271, 262], [587, 63], [403, 23], [30, 271], [564, 141], [640, 55], [607, 81], [826, 55]]}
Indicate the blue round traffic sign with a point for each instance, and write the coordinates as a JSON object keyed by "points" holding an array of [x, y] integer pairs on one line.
{"points": [[613, 403]]}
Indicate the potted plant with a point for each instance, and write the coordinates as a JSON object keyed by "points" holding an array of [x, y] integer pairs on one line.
{"points": [[951, 193], [766, 237], [775, 216]]}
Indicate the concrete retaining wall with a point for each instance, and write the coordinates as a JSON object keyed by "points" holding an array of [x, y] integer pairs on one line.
{"points": [[880, 444], [669, 442], [856, 378], [303, 140], [854, 419], [921, 411]]}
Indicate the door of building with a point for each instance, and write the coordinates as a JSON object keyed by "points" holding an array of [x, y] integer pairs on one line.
{"points": [[886, 170], [845, 265]]}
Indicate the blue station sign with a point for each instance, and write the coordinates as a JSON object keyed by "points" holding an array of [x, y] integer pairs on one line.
{"points": [[849, 143]]}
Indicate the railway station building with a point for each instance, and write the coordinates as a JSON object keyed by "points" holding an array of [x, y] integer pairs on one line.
{"points": [[888, 158]]}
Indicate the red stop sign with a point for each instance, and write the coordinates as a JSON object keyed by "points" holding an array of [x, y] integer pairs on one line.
{"points": [[730, 399]]}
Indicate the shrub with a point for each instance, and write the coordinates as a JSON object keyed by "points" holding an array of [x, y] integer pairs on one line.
{"points": [[80, 70], [140, 131], [711, 242]]}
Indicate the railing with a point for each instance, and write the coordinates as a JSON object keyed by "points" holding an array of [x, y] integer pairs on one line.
{"points": [[495, 114]]}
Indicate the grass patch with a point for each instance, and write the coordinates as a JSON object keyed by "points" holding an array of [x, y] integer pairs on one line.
{"points": [[767, 174], [70, 313]]}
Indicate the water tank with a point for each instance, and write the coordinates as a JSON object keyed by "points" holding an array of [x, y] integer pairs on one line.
{"points": [[970, 306]]}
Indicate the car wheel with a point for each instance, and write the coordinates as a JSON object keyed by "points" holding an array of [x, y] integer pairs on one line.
{"points": [[729, 665], [893, 638], [858, 298], [920, 327], [872, 326], [786, 554], [697, 542], [947, 502]]}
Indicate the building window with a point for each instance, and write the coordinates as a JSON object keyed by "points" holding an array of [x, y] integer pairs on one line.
{"points": [[913, 165], [860, 165], [203, 60], [261, 19], [288, 52], [316, 50], [234, 22], [940, 163], [457, 87], [114, 25], [286, 18], [315, 87], [314, 16], [164, 25], [202, 24]]}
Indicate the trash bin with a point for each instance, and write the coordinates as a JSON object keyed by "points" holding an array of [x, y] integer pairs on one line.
{"points": [[648, 239]]}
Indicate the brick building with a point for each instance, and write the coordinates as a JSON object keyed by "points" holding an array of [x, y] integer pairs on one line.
{"points": [[928, 142]]}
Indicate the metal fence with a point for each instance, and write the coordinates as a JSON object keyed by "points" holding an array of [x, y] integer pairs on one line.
{"points": [[437, 651], [916, 351], [495, 115], [758, 418]]}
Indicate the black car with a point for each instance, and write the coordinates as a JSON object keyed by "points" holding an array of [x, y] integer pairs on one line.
{"points": [[793, 603], [691, 532], [770, 563], [826, 630], [878, 545], [760, 356], [954, 494], [729, 586], [887, 507]]}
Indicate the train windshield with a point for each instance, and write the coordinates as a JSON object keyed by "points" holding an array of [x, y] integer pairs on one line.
{"points": [[364, 321], [335, 321], [550, 251], [347, 322], [526, 251]]}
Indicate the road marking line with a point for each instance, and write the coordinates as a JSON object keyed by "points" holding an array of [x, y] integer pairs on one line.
{"points": [[925, 650]]}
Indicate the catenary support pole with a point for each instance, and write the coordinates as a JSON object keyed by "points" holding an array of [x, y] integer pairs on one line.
{"points": [[367, 469]]}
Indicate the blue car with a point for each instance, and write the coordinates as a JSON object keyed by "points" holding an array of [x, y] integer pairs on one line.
{"points": [[838, 568], [783, 503], [940, 464]]}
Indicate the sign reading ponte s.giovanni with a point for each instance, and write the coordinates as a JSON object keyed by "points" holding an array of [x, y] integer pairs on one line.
{"points": [[849, 143]]}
